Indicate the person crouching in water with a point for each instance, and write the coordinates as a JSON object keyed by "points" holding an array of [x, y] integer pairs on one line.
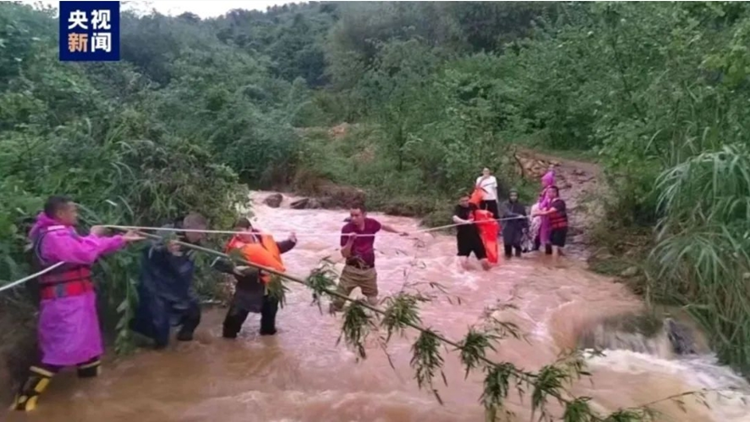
{"points": [[515, 225], [68, 327], [251, 294], [165, 287], [558, 220], [467, 234]]}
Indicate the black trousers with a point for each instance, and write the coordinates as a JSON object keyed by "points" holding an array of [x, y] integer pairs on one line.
{"points": [[155, 317], [492, 207], [236, 316], [509, 250]]}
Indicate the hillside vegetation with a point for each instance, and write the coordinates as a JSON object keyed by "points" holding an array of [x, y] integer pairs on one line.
{"points": [[198, 110]]}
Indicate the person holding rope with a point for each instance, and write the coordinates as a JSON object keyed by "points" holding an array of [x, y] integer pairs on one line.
{"points": [[251, 294], [558, 216], [165, 286], [515, 225], [467, 234], [68, 327], [357, 247]]}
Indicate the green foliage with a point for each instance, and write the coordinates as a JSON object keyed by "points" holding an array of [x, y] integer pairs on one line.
{"points": [[432, 93], [703, 244], [659, 92], [62, 132]]}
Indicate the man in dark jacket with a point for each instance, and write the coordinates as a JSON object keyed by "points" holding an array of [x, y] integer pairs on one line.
{"points": [[165, 287], [250, 294], [515, 225]]}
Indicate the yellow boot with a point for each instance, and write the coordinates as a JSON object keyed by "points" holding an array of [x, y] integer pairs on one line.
{"points": [[29, 393]]}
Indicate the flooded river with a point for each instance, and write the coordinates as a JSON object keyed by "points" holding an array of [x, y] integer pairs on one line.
{"points": [[302, 375]]}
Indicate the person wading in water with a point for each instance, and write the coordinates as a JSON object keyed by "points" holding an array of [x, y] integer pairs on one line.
{"points": [[488, 183], [558, 220], [357, 247], [467, 234], [68, 327], [165, 287], [543, 238], [514, 227], [251, 293]]}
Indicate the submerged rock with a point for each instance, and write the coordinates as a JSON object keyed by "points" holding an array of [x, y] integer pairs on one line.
{"points": [[642, 333], [630, 272], [681, 337], [306, 204], [274, 200]]}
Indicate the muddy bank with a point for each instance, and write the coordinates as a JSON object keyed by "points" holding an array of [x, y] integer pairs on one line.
{"points": [[18, 346]]}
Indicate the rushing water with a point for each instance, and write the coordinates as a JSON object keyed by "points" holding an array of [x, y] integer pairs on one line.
{"points": [[302, 375]]}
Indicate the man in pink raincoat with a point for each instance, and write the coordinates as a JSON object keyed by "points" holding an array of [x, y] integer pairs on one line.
{"points": [[68, 328]]}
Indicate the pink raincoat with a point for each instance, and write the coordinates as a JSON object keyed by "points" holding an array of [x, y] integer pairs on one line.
{"points": [[544, 202], [69, 326]]}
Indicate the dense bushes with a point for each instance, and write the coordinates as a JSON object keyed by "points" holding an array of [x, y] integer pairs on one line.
{"points": [[652, 89], [432, 93]]}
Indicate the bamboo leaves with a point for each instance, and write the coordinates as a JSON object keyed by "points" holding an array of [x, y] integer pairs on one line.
{"points": [[401, 313]]}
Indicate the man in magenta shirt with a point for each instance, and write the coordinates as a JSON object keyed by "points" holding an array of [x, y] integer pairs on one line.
{"points": [[357, 247]]}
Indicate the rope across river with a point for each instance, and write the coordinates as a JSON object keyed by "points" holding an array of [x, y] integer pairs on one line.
{"points": [[175, 229], [142, 229]]}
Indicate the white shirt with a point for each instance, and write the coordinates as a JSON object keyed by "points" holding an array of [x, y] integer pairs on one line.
{"points": [[489, 186]]}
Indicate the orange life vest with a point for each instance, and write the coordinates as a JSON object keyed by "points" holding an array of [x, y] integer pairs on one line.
{"points": [[488, 230], [266, 253]]}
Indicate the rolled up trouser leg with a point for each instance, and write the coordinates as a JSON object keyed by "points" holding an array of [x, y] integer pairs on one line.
{"points": [[268, 315], [190, 320], [344, 288], [89, 369], [39, 379]]}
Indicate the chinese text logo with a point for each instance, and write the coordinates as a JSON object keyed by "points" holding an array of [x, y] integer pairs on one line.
{"points": [[89, 30]]}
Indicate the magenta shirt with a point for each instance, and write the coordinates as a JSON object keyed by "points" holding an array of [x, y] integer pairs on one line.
{"points": [[363, 247]]}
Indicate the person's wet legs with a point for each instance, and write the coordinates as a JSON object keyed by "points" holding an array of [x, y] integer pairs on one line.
{"points": [[233, 322], [90, 368], [268, 316], [37, 381], [190, 320]]}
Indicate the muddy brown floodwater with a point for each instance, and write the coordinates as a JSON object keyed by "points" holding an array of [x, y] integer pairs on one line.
{"points": [[302, 375]]}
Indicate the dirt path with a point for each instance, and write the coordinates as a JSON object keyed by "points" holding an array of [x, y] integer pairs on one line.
{"points": [[582, 188]]}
